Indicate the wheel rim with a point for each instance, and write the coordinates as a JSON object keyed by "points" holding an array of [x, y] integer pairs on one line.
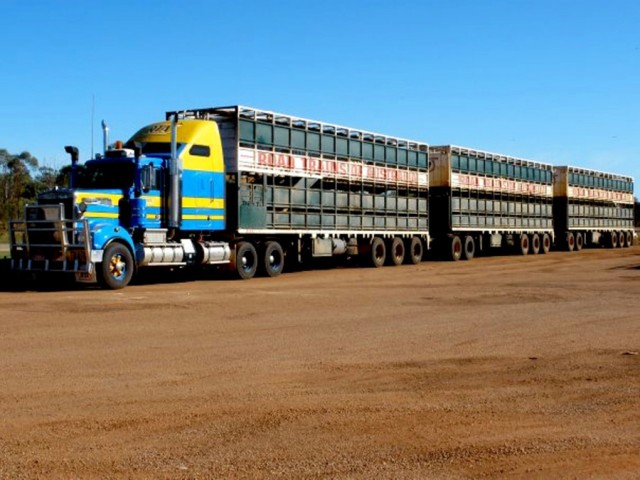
{"points": [[117, 267], [248, 261], [416, 250], [379, 252], [275, 260], [469, 248]]}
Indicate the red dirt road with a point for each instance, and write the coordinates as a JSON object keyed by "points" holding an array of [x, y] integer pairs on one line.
{"points": [[503, 366]]}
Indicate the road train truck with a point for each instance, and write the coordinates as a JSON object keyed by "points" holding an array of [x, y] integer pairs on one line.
{"points": [[592, 208], [481, 200], [234, 186]]}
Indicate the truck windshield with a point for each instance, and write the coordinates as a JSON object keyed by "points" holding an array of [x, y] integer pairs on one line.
{"points": [[107, 175]]}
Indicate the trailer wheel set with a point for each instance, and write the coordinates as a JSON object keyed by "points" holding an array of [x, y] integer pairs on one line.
{"points": [[254, 256], [466, 247], [576, 241]]}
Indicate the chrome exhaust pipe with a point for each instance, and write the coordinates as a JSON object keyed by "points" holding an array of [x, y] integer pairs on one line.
{"points": [[175, 178], [105, 137]]}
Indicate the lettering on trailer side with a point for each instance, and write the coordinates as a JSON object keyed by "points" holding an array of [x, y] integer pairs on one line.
{"points": [[603, 195], [500, 185], [281, 163]]}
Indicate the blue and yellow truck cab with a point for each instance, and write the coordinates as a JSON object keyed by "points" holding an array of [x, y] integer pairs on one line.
{"points": [[126, 200], [234, 185]]}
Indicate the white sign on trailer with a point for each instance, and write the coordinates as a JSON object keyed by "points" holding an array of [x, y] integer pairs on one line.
{"points": [[299, 165]]}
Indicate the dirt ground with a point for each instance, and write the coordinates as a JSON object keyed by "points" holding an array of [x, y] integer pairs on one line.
{"points": [[503, 366]]}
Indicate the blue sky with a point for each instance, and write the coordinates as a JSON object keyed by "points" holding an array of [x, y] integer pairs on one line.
{"points": [[553, 81]]}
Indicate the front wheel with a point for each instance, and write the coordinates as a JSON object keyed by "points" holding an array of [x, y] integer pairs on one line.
{"points": [[116, 269]]}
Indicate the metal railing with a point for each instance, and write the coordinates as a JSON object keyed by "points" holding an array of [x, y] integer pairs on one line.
{"points": [[46, 241]]}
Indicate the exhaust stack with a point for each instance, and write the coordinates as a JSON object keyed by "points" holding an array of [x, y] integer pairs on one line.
{"points": [[75, 157], [175, 179], [105, 137]]}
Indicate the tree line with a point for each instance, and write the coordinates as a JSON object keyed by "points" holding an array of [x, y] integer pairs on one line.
{"points": [[22, 178]]}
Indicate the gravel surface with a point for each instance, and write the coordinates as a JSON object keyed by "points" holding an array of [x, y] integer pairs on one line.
{"points": [[502, 366]]}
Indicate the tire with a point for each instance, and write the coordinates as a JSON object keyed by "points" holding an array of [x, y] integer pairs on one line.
{"points": [[378, 252], [272, 259], [524, 244], [570, 242], [396, 252], [455, 250], [579, 241], [546, 244], [246, 261], [535, 244], [469, 249], [414, 251], [613, 240], [621, 239], [628, 239], [116, 270]]}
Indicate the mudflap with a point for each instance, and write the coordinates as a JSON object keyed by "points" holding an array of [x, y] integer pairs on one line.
{"points": [[87, 277]]}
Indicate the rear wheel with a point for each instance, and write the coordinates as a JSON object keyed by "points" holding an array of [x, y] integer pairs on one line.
{"points": [[246, 260], [524, 244], [116, 269], [535, 244], [415, 250], [621, 239], [628, 239], [546, 243], [378, 252], [570, 242], [396, 252], [455, 250], [469, 250], [579, 241], [272, 259], [613, 239]]}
